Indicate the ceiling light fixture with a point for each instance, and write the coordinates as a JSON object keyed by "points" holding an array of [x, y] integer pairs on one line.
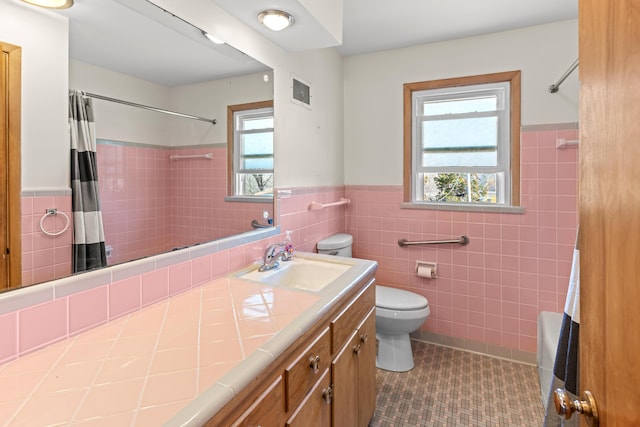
{"points": [[275, 20], [51, 4], [212, 38]]}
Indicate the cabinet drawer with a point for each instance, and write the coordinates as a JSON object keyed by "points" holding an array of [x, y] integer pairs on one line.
{"points": [[267, 410], [304, 372], [349, 319]]}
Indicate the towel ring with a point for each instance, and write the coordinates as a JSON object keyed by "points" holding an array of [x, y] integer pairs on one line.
{"points": [[54, 212]]}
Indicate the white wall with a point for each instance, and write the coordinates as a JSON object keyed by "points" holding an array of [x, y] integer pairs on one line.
{"points": [[120, 122], [373, 89], [124, 123], [308, 142], [210, 100], [43, 37]]}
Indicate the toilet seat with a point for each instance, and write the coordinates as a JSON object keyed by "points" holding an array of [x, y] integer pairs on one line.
{"points": [[398, 299]]}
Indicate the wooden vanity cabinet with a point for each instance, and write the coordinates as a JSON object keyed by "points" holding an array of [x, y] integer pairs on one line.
{"points": [[353, 370], [327, 378], [306, 369], [267, 410], [315, 410]]}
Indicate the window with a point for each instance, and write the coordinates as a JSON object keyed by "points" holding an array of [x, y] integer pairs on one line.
{"points": [[462, 141], [250, 149]]}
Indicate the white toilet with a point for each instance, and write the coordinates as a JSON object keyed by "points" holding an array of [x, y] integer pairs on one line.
{"points": [[398, 313]]}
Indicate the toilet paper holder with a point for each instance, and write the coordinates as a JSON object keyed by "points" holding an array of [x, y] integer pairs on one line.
{"points": [[427, 269]]}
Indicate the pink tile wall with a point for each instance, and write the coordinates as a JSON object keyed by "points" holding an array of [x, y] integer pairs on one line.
{"points": [[29, 329], [133, 182], [141, 217], [199, 211], [515, 265], [310, 226], [45, 257], [489, 291], [152, 204]]}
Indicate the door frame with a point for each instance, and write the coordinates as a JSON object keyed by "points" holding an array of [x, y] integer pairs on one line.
{"points": [[10, 141]]}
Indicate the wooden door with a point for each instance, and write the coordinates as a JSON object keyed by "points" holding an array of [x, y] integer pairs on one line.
{"points": [[610, 208], [10, 110]]}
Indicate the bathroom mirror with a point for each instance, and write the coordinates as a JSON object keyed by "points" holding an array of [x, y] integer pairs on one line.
{"points": [[162, 177]]}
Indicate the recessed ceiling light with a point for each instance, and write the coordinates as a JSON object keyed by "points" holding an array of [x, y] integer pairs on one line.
{"points": [[212, 38], [51, 4], [275, 20]]}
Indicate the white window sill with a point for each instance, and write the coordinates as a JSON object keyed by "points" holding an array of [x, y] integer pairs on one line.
{"points": [[462, 207], [249, 199]]}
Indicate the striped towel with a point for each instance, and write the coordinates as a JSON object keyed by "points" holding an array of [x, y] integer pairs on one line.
{"points": [[565, 369]]}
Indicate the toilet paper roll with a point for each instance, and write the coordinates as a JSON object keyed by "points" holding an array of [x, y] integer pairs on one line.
{"points": [[426, 271]]}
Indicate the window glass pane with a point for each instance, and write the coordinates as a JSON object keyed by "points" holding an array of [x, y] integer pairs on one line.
{"points": [[249, 123], [460, 142], [459, 187], [458, 106], [257, 150], [249, 163], [255, 184]]}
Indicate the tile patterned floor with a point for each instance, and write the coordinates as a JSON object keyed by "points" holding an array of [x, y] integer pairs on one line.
{"points": [[451, 387]]}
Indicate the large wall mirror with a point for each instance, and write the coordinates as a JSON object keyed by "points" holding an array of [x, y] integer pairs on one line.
{"points": [[162, 177]]}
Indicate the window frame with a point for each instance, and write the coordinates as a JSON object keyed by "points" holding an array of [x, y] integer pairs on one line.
{"points": [[409, 89], [232, 149]]}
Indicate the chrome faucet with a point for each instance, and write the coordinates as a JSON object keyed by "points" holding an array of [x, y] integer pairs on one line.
{"points": [[272, 254]]}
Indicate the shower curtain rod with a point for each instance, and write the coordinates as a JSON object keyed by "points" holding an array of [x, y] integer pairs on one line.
{"points": [[556, 86], [146, 107]]}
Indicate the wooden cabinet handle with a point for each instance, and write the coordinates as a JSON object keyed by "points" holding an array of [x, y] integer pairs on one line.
{"points": [[363, 338], [356, 349], [314, 364], [327, 394]]}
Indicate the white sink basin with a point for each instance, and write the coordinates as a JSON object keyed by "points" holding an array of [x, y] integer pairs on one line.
{"points": [[299, 273]]}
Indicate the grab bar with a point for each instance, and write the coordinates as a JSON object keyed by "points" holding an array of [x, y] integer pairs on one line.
{"points": [[316, 205], [256, 224], [463, 240], [191, 156]]}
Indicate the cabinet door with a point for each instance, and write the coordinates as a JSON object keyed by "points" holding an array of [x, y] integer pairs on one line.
{"points": [[315, 409], [344, 376], [267, 410], [367, 369]]}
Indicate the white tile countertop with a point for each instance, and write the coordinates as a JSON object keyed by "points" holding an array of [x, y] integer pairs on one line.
{"points": [[176, 362]]}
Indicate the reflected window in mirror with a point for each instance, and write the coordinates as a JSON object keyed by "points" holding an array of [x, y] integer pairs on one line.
{"points": [[250, 150]]}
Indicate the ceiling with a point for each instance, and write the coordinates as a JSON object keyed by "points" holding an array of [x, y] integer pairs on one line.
{"points": [[134, 36], [374, 25], [137, 38]]}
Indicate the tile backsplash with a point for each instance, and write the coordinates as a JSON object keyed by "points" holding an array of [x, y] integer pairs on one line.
{"points": [[515, 265]]}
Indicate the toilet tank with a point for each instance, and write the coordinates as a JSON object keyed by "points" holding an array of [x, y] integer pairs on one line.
{"points": [[338, 244]]}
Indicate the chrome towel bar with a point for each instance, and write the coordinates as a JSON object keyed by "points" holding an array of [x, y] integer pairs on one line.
{"points": [[463, 240]]}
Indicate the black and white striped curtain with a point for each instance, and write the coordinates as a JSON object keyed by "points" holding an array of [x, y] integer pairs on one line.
{"points": [[88, 232], [565, 368]]}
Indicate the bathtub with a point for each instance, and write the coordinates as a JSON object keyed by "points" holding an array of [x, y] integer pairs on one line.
{"points": [[549, 325]]}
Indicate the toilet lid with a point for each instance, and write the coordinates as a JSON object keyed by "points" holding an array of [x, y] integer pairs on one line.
{"points": [[397, 299]]}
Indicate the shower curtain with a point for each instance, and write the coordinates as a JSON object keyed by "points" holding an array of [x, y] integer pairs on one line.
{"points": [[565, 368], [88, 232]]}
